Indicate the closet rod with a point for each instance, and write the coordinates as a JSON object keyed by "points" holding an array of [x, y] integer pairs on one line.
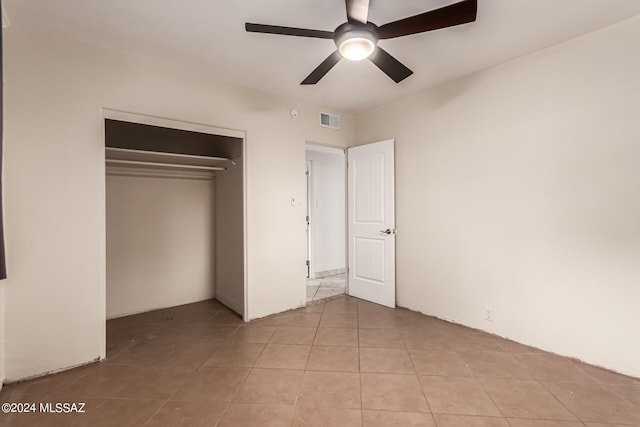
{"points": [[168, 165], [164, 154]]}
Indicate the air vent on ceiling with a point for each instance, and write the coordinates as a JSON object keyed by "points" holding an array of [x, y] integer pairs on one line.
{"points": [[329, 121]]}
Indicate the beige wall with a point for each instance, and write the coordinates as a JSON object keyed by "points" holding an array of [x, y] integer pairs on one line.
{"points": [[160, 240], [518, 188], [229, 235], [55, 187]]}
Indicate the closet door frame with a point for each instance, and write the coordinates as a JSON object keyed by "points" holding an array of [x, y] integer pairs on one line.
{"points": [[144, 119]]}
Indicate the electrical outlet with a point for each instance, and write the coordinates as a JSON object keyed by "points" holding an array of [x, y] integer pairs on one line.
{"points": [[488, 313]]}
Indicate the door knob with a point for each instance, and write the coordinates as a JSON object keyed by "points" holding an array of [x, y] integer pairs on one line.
{"points": [[387, 231]]}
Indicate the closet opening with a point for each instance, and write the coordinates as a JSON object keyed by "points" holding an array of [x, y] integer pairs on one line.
{"points": [[175, 215], [326, 222]]}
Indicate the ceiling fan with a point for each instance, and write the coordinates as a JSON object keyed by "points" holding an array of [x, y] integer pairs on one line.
{"points": [[357, 38]]}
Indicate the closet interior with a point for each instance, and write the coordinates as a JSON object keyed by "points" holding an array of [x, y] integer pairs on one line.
{"points": [[175, 218]]}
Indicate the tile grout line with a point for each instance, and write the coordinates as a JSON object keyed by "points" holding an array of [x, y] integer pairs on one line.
{"points": [[478, 380], [417, 376], [558, 400]]}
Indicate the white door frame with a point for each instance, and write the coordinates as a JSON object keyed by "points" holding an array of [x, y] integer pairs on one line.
{"points": [[309, 219], [127, 116]]}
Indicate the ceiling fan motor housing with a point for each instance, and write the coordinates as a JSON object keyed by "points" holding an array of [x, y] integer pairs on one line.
{"points": [[362, 37]]}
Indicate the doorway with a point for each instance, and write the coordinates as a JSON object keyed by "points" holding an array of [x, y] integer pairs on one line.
{"points": [[326, 222]]}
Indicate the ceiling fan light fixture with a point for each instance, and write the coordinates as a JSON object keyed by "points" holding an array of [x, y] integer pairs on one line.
{"points": [[356, 45], [357, 48]]}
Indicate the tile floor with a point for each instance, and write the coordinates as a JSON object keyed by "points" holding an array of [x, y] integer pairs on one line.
{"points": [[326, 287], [339, 362]]}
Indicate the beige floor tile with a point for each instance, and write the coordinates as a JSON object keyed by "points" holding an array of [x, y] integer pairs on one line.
{"points": [[549, 367], [594, 403], [253, 334], [283, 356], [435, 362], [190, 355], [396, 419], [604, 425], [100, 381], [474, 341], [380, 338], [509, 346], [155, 382], [377, 321], [240, 415], [306, 320], [330, 390], [525, 399], [630, 393], [188, 414], [198, 331], [342, 306], [324, 358], [368, 309], [386, 360], [342, 337], [235, 354], [42, 387], [429, 340], [458, 396], [607, 377], [392, 392], [312, 290], [313, 307], [339, 320], [164, 351], [46, 419], [120, 412], [468, 421], [327, 292], [293, 335], [543, 423], [494, 365], [320, 417], [270, 386], [211, 384]]}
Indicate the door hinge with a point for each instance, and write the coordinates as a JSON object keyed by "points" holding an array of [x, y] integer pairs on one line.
{"points": [[307, 263]]}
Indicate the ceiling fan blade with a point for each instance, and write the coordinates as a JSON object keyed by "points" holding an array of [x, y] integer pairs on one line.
{"points": [[390, 65], [288, 31], [357, 10], [448, 16], [322, 69]]}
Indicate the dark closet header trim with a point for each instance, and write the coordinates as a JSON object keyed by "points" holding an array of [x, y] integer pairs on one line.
{"points": [[136, 136]]}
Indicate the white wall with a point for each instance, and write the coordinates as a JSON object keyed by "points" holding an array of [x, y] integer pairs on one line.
{"points": [[229, 236], [55, 186], [519, 188], [160, 241], [328, 215]]}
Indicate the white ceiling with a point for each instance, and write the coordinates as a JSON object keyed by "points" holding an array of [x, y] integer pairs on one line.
{"points": [[208, 35]]}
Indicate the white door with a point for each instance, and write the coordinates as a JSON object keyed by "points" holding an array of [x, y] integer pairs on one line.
{"points": [[372, 236]]}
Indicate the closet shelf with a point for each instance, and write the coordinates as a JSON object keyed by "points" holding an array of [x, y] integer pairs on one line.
{"points": [[126, 156]]}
